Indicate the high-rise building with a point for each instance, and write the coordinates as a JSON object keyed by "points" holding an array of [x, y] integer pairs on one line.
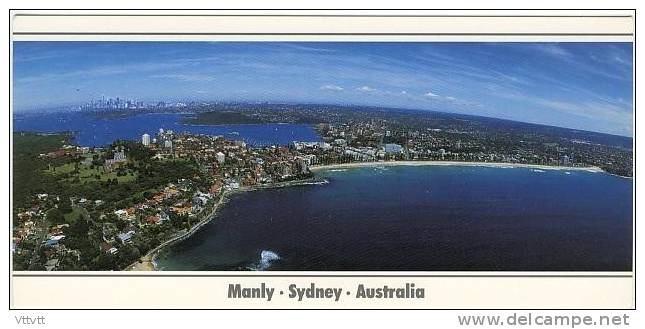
{"points": [[145, 139]]}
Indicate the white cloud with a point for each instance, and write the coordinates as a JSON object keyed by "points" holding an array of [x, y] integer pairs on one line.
{"points": [[551, 49], [185, 77], [366, 89], [331, 88], [450, 98], [300, 47]]}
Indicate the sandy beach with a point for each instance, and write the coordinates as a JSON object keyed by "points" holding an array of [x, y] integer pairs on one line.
{"points": [[144, 264], [449, 163]]}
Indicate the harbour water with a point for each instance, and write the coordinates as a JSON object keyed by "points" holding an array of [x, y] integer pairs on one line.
{"points": [[90, 130], [421, 218]]}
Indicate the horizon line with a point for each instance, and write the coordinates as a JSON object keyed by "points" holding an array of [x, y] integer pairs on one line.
{"points": [[69, 107]]}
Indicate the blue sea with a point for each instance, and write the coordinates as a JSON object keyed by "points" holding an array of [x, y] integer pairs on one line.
{"points": [[421, 218], [93, 131]]}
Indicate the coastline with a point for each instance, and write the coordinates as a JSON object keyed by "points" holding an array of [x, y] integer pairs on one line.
{"points": [[448, 163], [147, 262]]}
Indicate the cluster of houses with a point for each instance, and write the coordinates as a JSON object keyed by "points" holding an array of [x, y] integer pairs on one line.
{"points": [[179, 198], [66, 150], [30, 228], [26, 228], [234, 164], [339, 148]]}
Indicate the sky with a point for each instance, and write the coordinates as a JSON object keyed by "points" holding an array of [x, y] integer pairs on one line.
{"points": [[585, 86]]}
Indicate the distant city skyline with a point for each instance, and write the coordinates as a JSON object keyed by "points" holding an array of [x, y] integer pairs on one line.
{"points": [[585, 86]]}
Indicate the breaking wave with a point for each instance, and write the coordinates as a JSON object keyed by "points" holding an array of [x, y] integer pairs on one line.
{"points": [[267, 257]]}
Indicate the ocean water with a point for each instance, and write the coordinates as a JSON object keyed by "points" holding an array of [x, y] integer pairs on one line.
{"points": [[91, 131], [425, 218]]}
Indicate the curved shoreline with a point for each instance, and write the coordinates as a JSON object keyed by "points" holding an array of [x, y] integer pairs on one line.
{"points": [[147, 262]]}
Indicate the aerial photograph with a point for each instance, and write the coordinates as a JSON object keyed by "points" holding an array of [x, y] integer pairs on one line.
{"points": [[322, 156]]}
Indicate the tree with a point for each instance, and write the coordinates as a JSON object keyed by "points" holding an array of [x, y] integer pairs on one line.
{"points": [[106, 262], [55, 216], [65, 205], [120, 224]]}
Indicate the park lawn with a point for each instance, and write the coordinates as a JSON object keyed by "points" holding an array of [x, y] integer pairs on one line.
{"points": [[86, 174], [62, 169]]}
